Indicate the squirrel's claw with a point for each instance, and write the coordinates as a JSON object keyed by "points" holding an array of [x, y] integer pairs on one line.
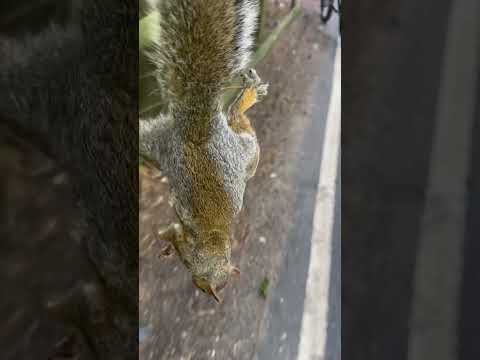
{"points": [[169, 233], [167, 251], [262, 90]]}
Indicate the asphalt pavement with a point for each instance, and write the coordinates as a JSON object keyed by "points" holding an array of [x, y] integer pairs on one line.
{"points": [[304, 315]]}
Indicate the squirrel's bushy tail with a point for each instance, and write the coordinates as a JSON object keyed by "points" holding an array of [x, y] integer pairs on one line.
{"points": [[201, 44]]}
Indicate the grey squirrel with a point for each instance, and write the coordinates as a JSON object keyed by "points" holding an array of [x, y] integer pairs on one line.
{"points": [[208, 154], [72, 90]]}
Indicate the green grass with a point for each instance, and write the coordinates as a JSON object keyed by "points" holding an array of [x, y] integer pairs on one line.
{"points": [[264, 287]]}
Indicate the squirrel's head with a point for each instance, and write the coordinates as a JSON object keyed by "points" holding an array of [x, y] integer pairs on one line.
{"points": [[211, 283], [211, 268]]}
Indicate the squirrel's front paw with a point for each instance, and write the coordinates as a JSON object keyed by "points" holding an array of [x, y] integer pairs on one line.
{"points": [[262, 90], [252, 80], [169, 232]]}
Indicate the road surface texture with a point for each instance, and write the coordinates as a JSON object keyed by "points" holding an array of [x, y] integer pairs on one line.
{"points": [[272, 237], [409, 186]]}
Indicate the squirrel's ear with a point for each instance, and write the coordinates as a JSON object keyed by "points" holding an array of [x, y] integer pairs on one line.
{"points": [[234, 271], [215, 295]]}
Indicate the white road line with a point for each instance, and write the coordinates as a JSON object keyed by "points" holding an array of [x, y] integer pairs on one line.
{"points": [[315, 317], [433, 325]]}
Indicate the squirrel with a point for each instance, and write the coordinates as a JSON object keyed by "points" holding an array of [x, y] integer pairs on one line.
{"points": [[207, 153]]}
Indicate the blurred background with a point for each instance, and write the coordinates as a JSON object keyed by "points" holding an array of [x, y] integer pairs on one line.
{"points": [[41, 230], [410, 180]]}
